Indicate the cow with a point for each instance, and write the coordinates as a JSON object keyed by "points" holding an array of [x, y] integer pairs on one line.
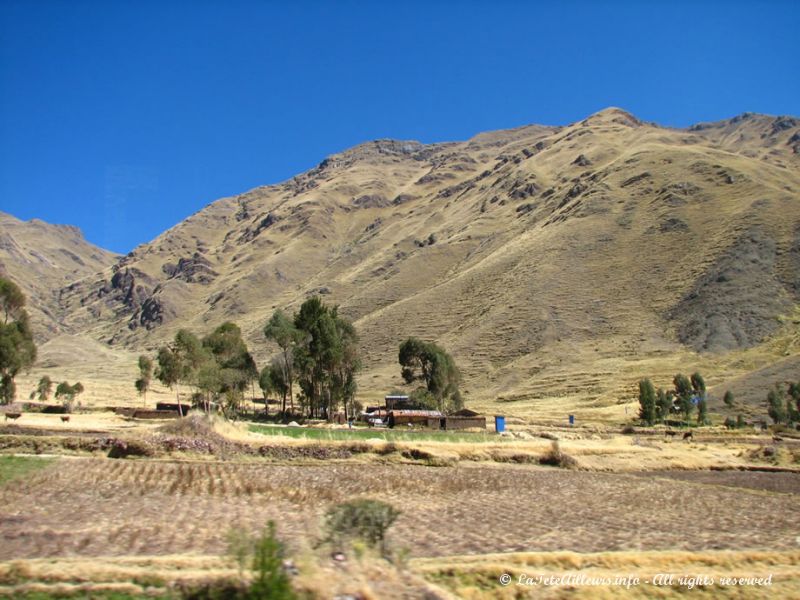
{"points": [[65, 418], [688, 436], [13, 416], [670, 433]]}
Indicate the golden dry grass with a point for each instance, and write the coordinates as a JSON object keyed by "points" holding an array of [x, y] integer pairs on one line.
{"points": [[477, 577]]}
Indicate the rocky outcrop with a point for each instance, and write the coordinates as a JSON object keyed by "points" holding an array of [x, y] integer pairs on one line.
{"points": [[128, 286], [152, 312], [196, 269], [253, 231]]}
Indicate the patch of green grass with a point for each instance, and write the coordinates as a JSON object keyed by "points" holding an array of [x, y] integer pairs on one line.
{"points": [[15, 467], [361, 433], [93, 595]]}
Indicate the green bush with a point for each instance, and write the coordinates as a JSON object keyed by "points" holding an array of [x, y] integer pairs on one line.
{"points": [[265, 554], [364, 519]]}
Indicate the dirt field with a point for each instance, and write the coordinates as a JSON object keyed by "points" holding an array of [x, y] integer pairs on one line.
{"points": [[101, 507]]}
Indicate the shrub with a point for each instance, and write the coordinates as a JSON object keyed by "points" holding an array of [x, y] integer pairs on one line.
{"points": [[417, 454], [125, 448], [271, 582], [364, 519], [728, 399], [265, 554], [556, 458]]}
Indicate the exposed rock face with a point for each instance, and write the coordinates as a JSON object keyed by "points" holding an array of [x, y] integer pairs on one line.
{"points": [[736, 302], [128, 286], [197, 269], [253, 231], [150, 314]]}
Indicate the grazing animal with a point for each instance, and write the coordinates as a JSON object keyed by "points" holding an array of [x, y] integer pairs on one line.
{"points": [[777, 438], [64, 418], [13, 416], [670, 433], [688, 436]]}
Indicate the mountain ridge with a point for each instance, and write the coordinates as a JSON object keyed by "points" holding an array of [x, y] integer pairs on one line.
{"points": [[500, 247]]}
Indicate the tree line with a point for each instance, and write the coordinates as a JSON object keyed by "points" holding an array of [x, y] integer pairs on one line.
{"points": [[317, 352], [688, 395]]}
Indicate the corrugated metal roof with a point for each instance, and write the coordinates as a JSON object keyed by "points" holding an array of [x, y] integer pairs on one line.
{"points": [[416, 413]]}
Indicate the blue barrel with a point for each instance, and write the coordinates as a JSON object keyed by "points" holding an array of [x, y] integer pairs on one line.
{"points": [[572, 419], [499, 424]]}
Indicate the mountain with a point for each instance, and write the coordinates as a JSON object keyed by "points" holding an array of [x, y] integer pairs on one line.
{"points": [[557, 264], [42, 258]]}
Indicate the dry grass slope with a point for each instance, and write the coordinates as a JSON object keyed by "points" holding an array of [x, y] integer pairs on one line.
{"points": [[558, 264]]}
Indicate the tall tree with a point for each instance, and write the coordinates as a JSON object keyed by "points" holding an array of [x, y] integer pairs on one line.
{"points": [[794, 394], [228, 349], [266, 386], [776, 408], [431, 364], [67, 393], [281, 330], [663, 404], [311, 356], [346, 364], [702, 411], [169, 370], [145, 375], [17, 349], [647, 401], [12, 300], [325, 358], [698, 384], [279, 384], [684, 392], [44, 389]]}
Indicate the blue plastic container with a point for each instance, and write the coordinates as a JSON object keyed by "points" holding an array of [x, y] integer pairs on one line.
{"points": [[572, 419], [499, 424]]}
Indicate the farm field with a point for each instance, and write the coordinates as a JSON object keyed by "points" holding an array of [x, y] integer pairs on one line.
{"points": [[362, 433], [146, 525]]}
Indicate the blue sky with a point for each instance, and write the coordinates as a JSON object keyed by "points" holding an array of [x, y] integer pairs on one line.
{"points": [[125, 117]]}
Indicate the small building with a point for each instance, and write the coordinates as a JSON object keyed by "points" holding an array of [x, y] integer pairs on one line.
{"points": [[462, 419], [412, 417]]}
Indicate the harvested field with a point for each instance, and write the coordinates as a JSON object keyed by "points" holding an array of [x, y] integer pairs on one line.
{"points": [[787, 483], [100, 507]]}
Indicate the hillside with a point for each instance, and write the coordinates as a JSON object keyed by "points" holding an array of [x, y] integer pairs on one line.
{"points": [[43, 258], [558, 264]]}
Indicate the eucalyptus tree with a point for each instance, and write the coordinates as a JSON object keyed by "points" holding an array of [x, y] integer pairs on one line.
{"points": [[17, 348]]}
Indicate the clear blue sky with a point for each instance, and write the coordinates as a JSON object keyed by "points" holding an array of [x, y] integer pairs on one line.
{"points": [[124, 117]]}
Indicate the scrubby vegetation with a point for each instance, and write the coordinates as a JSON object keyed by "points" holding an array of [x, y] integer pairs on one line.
{"points": [[364, 519]]}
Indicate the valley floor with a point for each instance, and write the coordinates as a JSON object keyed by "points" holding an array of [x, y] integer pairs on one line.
{"points": [[471, 511]]}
